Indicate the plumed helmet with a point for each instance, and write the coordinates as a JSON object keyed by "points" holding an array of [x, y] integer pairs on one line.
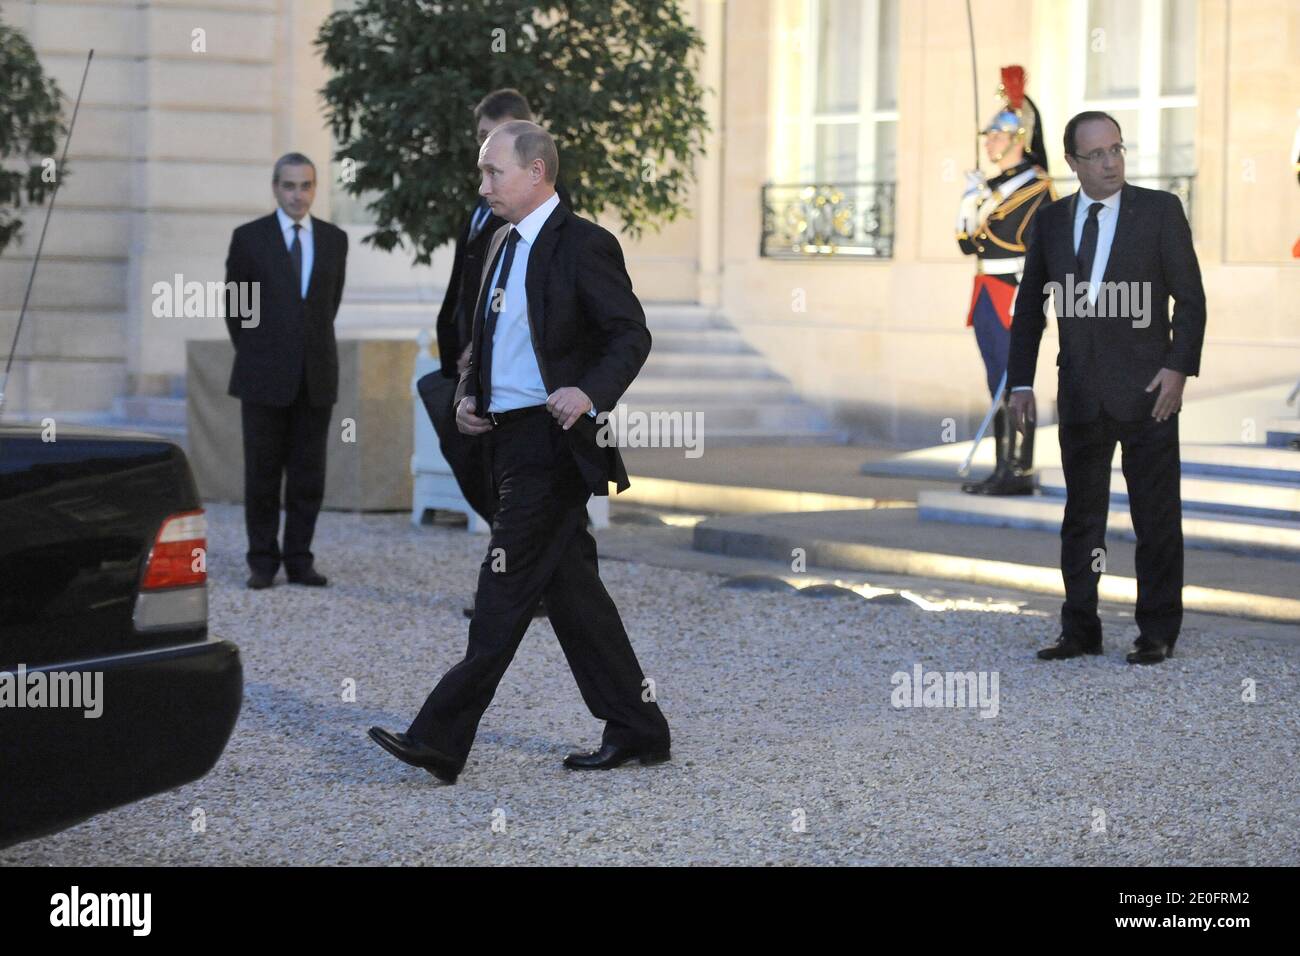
{"points": [[1019, 116]]}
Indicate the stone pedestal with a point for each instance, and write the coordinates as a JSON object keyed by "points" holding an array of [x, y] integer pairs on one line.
{"points": [[368, 462]]}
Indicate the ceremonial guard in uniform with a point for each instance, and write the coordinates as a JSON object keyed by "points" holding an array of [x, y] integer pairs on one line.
{"points": [[995, 224]]}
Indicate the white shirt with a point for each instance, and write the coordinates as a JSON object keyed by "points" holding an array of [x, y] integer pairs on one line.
{"points": [[304, 239], [1107, 216], [516, 379]]}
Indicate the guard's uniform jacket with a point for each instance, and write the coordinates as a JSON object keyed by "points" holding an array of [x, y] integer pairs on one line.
{"points": [[995, 224]]}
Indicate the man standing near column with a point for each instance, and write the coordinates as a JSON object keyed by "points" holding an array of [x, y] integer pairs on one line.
{"points": [[558, 335], [286, 369], [1122, 372]]}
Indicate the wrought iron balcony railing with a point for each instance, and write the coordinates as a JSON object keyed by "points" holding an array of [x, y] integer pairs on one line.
{"points": [[805, 220], [837, 220]]}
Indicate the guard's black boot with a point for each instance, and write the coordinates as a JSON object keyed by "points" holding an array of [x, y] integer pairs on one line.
{"points": [[1015, 451], [1019, 479], [1000, 470]]}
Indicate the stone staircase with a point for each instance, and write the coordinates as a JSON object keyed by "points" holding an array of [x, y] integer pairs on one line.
{"points": [[701, 363], [156, 414], [1240, 498], [1240, 479]]}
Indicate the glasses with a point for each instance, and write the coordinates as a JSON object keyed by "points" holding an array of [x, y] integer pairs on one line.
{"points": [[1118, 151]]}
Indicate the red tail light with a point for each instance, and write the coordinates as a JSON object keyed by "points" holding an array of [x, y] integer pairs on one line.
{"points": [[180, 548]]}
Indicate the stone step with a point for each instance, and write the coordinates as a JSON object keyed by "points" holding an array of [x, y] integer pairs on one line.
{"points": [[1260, 499], [1281, 431], [100, 419], [665, 318], [1255, 537], [150, 408], [738, 437], [688, 365], [1242, 462], [733, 414], [699, 340], [684, 390]]}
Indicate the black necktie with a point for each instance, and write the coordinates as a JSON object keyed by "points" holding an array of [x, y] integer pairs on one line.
{"points": [[295, 253], [1088, 243], [495, 303]]}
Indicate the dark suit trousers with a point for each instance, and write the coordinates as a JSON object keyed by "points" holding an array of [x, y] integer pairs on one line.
{"points": [[464, 453], [283, 444], [1152, 472], [540, 547]]}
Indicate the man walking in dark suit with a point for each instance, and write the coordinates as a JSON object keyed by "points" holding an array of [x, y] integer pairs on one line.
{"points": [[455, 322], [558, 336], [286, 369], [1112, 255]]}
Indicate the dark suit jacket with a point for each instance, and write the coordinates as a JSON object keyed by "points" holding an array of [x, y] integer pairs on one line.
{"points": [[455, 324], [293, 335], [1106, 361], [588, 329]]}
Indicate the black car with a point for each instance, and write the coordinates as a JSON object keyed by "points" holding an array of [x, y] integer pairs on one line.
{"points": [[103, 582]]}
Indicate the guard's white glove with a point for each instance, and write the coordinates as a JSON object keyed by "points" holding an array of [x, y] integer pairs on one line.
{"points": [[975, 181]]}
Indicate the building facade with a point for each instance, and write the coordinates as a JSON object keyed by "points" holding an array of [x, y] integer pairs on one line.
{"points": [[821, 220]]}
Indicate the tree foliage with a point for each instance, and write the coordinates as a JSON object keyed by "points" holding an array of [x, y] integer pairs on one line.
{"points": [[612, 80], [30, 130]]}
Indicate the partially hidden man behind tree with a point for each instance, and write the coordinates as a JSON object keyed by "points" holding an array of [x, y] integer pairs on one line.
{"points": [[286, 370], [995, 223]]}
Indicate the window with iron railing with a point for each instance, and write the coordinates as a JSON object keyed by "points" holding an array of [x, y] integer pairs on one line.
{"points": [[834, 121], [853, 220]]}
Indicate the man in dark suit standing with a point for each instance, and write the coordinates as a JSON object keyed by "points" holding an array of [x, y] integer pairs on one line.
{"points": [[1112, 255], [558, 336], [286, 369]]}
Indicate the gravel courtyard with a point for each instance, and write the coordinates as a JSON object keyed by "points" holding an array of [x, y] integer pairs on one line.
{"points": [[786, 746]]}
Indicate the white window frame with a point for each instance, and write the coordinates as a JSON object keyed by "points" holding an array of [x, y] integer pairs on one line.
{"points": [[807, 120], [1150, 101]]}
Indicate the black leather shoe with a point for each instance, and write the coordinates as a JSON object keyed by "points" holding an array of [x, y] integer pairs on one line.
{"points": [[1152, 653], [258, 581], [610, 756], [416, 754], [1067, 645], [311, 577]]}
